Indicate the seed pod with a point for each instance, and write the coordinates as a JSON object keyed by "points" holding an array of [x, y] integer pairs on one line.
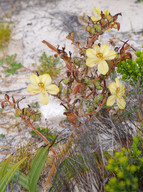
{"points": [[18, 113], [109, 18], [66, 81], [97, 27], [101, 97], [77, 62], [90, 109], [98, 87], [88, 81], [28, 114], [92, 31], [97, 83], [88, 28], [32, 117], [96, 100], [64, 92]]}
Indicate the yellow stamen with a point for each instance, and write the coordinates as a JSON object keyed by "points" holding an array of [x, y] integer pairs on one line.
{"points": [[41, 85], [99, 55], [118, 89], [117, 92]]}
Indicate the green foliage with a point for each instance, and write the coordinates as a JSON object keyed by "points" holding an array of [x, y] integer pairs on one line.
{"points": [[2, 136], [50, 65], [10, 65], [22, 151], [46, 132], [37, 165], [35, 105], [139, 1], [132, 70], [127, 169], [21, 179], [18, 177], [7, 174], [9, 171], [5, 33]]}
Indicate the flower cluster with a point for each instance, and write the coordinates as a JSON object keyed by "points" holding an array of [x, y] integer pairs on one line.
{"points": [[79, 79]]}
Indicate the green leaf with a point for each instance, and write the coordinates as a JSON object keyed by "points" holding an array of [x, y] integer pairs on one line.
{"points": [[37, 165], [9, 174], [18, 177], [21, 179], [5, 166], [2, 136]]}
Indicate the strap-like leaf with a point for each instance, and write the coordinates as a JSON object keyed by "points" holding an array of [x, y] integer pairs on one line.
{"points": [[9, 174], [37, 165], [21, 179], [5, 166]]}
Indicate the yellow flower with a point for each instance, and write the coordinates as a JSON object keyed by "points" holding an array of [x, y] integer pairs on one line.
{"points": [[97, 57], [42, 84], [117, 90]]}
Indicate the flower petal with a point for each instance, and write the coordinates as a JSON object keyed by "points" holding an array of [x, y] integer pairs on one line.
{"points": [[33, 89], [91, 53], [121, 86], [97, 10], [91, 62], [44, 98], [111, 54], [45, 79], [111, 100], [122, 90], [112, 87], [96, 48], [52, 89], [104, 49], [34, 79], [118, 83], [106, 12], [121, 103], [103, 67]]}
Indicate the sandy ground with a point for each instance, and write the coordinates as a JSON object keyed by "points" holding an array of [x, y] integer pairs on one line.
{"points": [[52, 21]]}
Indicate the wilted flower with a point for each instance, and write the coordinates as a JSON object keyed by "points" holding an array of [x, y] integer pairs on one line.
{"points": [[98, 56], [117, 90], [42, 84], [97, 16]]}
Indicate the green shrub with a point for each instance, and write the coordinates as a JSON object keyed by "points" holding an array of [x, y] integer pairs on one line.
{"points": [[132, 70], [50, 65], [5, 32], [127, 169], [10, 65]]}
